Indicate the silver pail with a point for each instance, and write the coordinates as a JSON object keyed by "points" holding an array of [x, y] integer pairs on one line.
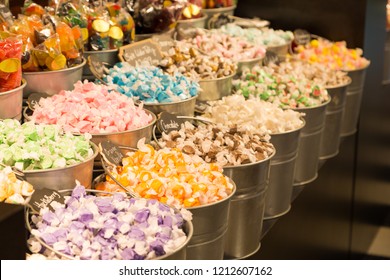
{"points": [[192, 23], [210, 226], [280, 50], [108, 56], [309, 144], [330, 140], [211, 12], [281, 177], [215, 89], [11, 103], [246, 208], [248, 64], [353, 101], [184, 107]]}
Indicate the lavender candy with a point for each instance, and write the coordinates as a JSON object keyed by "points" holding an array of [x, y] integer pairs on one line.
{"points": [[150, 84], [114, 227]]}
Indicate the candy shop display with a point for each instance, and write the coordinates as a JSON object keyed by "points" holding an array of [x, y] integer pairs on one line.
{"points": [[335, 55], [150, 84], [13, 190], [253, 114], [116, 227], [219, 44], [267, 37], [10, 62], [35, 147], [171, 176], [90, 108], [286, 90], [187, 60], [217, 143]]}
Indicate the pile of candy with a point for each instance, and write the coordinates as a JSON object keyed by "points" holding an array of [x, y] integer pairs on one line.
{"points": [[10, 62], [285, 90], [28, 146], [335, 55], [192, 10], [91, 108], [13, 190], [234, 48], [114, 227], [267, 37], [172, 177], [184, 59], [150, 84], [217, 143], [316, 72], [214, 4], [253, 114]]}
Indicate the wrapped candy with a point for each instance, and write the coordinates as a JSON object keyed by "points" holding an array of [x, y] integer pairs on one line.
{"points": [[13, 190], [214, 4], [30, 8], [10, 61], [193, 9]]}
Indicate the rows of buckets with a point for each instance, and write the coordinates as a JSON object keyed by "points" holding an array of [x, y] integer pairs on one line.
{"points": [[231, 228]]}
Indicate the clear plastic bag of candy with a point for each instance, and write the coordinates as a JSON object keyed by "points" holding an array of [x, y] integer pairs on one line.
{"points": [[214, 4], [10, 61], [193, 9]]}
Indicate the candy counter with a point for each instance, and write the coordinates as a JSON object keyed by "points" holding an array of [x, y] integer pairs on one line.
{"points": [[166, 159]]}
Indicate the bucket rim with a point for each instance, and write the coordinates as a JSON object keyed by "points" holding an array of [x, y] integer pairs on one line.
{"points": [[218, 79], [358, 69], [76, 67], [313, 107], [22, 86], [37, 171], [202, 18], [102, 51], [171, 103], [256, 59], [216, 10], [291, 131], [253, 163], [345, 84]]}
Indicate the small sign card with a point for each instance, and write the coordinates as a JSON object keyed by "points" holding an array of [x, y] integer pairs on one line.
{"points": [[96, 67], [301, 37], [200, 106], [165, 41], [43, 198], [111, 152], [138, 53], [168, 122]]}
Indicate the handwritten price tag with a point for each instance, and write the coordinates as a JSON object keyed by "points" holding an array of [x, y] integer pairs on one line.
{"points": [[169, 122], [45, 198], [111, 152], [140, 52]]}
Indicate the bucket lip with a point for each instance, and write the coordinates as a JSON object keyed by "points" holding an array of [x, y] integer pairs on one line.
{"points": [[346, 83], [171, 103], [36, 171], [22, 86], [358, 69], [102, 51], [202, 18], [81, 65], [219, 201], [223, 9], [218, 79], [151, 124], [290, 131], [313, 107], [252, 163], [256, 59]]}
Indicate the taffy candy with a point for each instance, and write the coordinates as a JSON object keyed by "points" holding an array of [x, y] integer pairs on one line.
{"points": [[219, 143], [13, 190], [150, 84], [214, 4], [187, 60], [116, 227], [335, 55], [252, 114], [285, 89], [28, 146], [233, 48], [172, 177], [90, 108], [155, 16], [267, 37], [10, 61]]}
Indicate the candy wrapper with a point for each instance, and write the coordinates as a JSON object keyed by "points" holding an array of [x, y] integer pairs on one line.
{"points": [[155, 16], [10, 61]]}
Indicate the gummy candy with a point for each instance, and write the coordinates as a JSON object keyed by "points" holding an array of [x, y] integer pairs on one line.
{"points": [[10, 62]]}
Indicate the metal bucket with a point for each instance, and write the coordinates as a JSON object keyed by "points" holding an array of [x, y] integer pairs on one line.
{"points": [[250, 63], [353, 101], [386, 69], [215, 89], [63, 178], [52, 82], [330, 140], [184, 107], [281, 177], [306, 165], [246, 208], [211, 12], [11, 103], [178, 254], [108, 56], [192, 23], [211, 224], [280, 50], [140, 37]]}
